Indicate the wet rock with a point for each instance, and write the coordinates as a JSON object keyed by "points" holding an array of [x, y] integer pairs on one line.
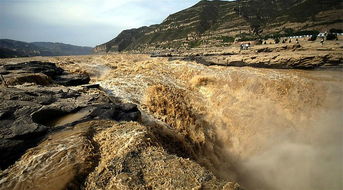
{"points": [[52, 116], [36, 78], [28, 113], [16, 125], [119, 112], [72, 79], [41, 73], [89, 86], [127, 112], [49, 69]]}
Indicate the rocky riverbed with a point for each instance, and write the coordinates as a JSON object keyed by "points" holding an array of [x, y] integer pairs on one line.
{"points": [[129, 121], [58, 131]]}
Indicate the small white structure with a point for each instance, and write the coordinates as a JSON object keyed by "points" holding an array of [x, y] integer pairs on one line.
{"points": [[245, 46], [322, 34]]}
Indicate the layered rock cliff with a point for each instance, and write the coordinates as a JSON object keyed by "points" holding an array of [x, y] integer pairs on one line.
{"points": [[217, 23]]}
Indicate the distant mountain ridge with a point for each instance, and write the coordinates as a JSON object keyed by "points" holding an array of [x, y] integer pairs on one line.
{"points": [[13, 48], [212, 23]]}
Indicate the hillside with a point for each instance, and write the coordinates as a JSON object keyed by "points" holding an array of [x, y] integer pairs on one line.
{"points": [[218, 23], [12, 48]]}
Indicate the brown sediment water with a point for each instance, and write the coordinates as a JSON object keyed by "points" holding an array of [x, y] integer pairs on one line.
{"points": [[248, 124], [268, 129], [57, 163], [70, 118]]}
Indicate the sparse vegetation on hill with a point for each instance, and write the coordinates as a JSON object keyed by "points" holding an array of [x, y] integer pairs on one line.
{"points": [[246, 20]]}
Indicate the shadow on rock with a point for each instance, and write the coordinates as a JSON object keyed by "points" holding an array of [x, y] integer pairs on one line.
{"points": [[29, 112], [41, 73]]}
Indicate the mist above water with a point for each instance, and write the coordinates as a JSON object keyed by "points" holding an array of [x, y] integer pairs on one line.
{"points": [[307, 163], [282, 134]]}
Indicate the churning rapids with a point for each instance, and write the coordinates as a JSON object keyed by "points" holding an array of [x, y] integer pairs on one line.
{"points": [[265, 129]]}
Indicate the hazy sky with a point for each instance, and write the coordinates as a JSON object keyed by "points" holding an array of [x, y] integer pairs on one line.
{"points": [[80, 22]]}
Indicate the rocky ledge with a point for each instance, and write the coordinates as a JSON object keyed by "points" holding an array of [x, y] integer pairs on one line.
{"points": [[278, 57], [41, 73]]}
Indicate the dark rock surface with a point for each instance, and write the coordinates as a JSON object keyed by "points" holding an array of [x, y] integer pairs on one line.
{"points": [[72, 79], [47, 68], [42, 73], [29, 112]]}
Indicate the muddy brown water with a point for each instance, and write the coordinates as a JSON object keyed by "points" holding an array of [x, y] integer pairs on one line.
{"points": [[69, 118], [282, 128]]}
